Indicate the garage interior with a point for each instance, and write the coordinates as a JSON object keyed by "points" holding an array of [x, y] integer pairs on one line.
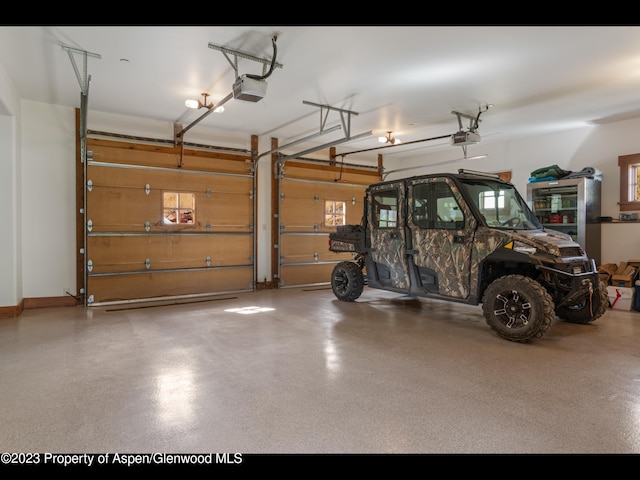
{"points": [[168, 283]]}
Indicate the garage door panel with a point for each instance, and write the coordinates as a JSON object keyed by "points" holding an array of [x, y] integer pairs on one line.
{"points": [[114, 175], [117, 209], [116, 288], [130, 253], [305, 274], [335, 176], [125, 153], [301, 215], [310, 190], [219, 163], [307, 248], [111, 151], [296, 189], [302, 211], [231, 211], [122, 209]]}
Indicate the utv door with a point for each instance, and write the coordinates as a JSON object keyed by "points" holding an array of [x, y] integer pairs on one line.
{"points": [[387, 264], [441, 237]]}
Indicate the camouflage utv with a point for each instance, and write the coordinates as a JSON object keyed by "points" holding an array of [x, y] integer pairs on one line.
{"points": [[470, 238]]}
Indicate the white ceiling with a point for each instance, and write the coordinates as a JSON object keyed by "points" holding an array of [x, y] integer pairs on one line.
{"points": [[406, 79]]}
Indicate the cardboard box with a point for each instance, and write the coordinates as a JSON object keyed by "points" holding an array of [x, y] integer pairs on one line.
{"points": [[620, 298], [606, 271], [622, 280], [624, 276]]}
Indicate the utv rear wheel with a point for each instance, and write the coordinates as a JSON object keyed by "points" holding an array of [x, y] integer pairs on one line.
{"points": [[517, 308], [588, 308], [347, 281]]}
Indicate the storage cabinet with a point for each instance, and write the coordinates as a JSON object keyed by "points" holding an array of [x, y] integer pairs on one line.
{"points": [[571, 206]]}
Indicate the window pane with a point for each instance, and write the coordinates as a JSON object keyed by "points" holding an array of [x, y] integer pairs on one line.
{"points": [[186, 200], [170, 200], [334, 213], [385, 209], [178, 208]]}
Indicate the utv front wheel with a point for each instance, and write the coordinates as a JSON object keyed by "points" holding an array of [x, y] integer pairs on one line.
{"points": [[517, 308], [347, 281], [588, 308]]}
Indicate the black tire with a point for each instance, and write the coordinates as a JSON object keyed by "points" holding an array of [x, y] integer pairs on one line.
{"points": [[517, 308], [588, 309], [347, 281]]}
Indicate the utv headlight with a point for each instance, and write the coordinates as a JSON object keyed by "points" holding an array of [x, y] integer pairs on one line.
{"points": [[521, 247]]}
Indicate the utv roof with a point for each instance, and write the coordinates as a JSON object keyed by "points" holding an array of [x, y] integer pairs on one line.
{"points": [[462, 173]]}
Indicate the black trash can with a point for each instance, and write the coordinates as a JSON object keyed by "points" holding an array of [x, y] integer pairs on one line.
{"points": [[636, 300]]}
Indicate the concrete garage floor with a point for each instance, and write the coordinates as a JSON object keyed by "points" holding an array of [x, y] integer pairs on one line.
{"points": [[297, 371]]}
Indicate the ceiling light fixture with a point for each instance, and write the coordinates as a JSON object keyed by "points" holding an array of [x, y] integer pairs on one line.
{"points": [[389, 139], [195, 104]]}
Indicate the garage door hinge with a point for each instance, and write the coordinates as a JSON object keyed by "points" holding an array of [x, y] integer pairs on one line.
{"points": [[147, 189], [208, 261], [147, 263], [251, 226], [251, 194], [89, 185], [89, 225]]}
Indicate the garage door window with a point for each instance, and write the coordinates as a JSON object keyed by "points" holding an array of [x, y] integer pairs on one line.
{"points": [[178, 208], [334, 212]]}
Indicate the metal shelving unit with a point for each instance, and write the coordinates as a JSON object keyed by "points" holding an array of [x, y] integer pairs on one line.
{"points": [[571, 206]]}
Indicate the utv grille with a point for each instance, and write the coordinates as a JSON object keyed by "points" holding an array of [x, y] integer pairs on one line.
{"points": [[571, 252], [573, 268]]}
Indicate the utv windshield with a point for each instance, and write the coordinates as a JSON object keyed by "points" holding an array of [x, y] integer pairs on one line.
{"points": [[500, 205]]}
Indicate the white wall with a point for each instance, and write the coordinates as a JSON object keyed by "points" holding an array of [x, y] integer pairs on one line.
{"points": [[48, 197], [47, 186], [10, 231], [8, 238]]}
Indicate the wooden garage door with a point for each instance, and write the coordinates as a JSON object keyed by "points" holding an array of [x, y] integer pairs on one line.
{"points": [[311, 203], [164, 225]]}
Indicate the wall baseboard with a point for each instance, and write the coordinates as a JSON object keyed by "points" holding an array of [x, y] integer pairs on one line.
{"points": [[41, 302], [12, 312]]}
